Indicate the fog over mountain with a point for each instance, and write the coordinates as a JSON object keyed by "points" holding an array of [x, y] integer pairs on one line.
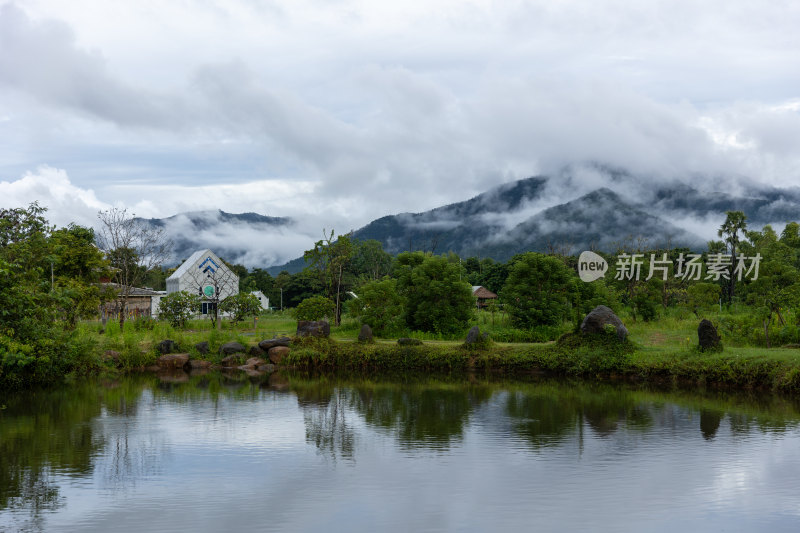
{"points": [[565, 213], [341, 114], [236, 237]]}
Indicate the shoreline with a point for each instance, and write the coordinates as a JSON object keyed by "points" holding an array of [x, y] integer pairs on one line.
{"points": [[601, 359]]}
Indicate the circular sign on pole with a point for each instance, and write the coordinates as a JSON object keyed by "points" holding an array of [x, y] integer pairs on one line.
{"points": [[208, 291]]}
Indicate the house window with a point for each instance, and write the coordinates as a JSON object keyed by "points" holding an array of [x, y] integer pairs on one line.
{"points": [[208, 308]]}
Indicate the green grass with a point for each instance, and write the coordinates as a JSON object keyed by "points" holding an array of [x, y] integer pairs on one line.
{"points": [[660, 350]]}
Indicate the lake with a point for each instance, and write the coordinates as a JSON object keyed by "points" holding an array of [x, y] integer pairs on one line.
{"points": [[222, 452]]}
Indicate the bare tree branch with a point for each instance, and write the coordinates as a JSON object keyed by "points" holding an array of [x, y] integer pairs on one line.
{"points": [[133, 248]]}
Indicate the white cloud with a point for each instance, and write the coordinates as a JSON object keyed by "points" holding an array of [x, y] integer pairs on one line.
{"points": [[339, 113], [52, 188]]}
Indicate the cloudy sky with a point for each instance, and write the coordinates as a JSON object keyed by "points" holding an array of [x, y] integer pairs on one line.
{"points": [[339, 112]]}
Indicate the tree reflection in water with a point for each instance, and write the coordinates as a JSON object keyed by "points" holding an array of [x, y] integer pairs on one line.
{"points": [[46, 435], [42, 434], [324, 409]]}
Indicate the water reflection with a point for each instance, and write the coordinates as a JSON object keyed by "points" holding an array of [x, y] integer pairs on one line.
{"points": [[327, 418], [110, 433], [431, 414], [709, 423], [546, 414], [42, 434]]}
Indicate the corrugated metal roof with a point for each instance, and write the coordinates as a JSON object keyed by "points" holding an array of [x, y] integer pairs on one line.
{"points": [[189, 262], [135, 291]]}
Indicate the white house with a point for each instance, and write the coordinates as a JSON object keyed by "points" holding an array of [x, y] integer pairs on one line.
{"points": [[154, 301], [264, 300], [204, 274]]}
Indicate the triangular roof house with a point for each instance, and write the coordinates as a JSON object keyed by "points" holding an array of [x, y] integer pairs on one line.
{"points": [[205, 274]]}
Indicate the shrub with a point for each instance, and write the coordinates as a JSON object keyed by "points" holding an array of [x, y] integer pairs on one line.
{"points": [[314, 308], [540, 291], [241, 306], [436, 299], [178, 307], [380, 306]]}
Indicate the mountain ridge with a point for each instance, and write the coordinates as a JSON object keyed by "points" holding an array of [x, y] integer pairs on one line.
{"points": [[538, 213]]}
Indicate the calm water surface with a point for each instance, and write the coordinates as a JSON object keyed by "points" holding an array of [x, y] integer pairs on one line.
{"points": [[217, 453]]}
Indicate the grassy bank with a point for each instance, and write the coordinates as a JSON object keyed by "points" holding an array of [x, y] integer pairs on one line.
{"points": [[598, 357], [657, 351]]}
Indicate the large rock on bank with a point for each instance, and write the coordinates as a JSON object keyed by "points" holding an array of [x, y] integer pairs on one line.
{"points": [[311, 328], [173, 361], [202, 347], [267, 344], [365, 335], [167, 346], [230, 348], [598, 318], [708, 338], [277, 353]]}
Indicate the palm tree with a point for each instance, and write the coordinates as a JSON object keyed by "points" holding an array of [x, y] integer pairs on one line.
{"points": [[735, 222]]}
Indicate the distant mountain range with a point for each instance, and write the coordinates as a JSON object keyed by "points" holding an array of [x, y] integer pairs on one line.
{"points": [[529, 214], [230, 235]]}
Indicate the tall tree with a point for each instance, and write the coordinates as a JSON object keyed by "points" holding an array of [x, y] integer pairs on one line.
{"points": [[735, 222], [133, 248], [76, 265], [436, 298], [330, 258], [540, 290]]}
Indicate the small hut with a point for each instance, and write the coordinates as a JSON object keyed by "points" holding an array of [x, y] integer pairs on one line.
{"points": [[482, 295]]}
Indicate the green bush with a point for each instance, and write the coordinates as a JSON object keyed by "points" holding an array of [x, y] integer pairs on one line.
{"points": [[540, 291], [178, 307], [143, 323], [645, 306], [599, 353], [380, 306], [436, 299], [314, 308], [241, 306]]}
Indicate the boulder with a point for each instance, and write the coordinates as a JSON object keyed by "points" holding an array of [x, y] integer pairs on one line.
{"points": [[167, 346], [256, 351], [173, 360], [195, 364], [277, 354], [707, 336], [273, 342], [202, 347], [405, 341], [252, 363], [231, 361], [365, 335], [231, 348], [268, 368], [311, 328], [473, 335], [598, 318], [111, 355]]}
